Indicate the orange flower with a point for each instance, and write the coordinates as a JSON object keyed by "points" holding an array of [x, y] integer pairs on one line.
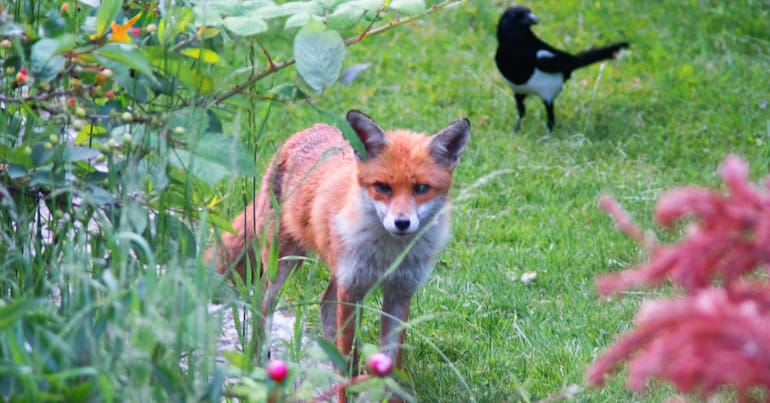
{"points": [[120, 32]]}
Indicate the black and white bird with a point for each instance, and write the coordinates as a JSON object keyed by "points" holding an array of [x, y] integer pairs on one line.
{"points": [[531, 66]]}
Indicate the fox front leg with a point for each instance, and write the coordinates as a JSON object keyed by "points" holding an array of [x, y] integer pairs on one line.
{"points": [[395, 313]]}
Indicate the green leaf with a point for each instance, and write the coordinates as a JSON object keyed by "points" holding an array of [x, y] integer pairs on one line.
{"points": [[43, 177], [222, 223], [235, 358], [81, 153], [268, 11], [194, 120], [179, 69], [346, 15], [16, 171], [89, 131], [204, 55], [215, 124], [99, 194], [211, 11], [10, 29], [45, 59], [136, 216], [16, 155], [41, 154], [349, 13], [71, 373], [179, 231], [202, 83], [54, 24], [407, 7], [215, 157], [126, 55], [333, 354], [106, 14], [287, 93], [366, 5], [319, 54], [173, 24], [134, 85], [245, 25], [297, 20], [17, 308], [302, 7]]}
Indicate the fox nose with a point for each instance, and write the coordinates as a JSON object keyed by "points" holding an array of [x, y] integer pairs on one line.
{"points": [[402, 223]]}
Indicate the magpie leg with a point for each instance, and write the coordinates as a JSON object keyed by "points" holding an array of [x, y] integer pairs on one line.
{"points": [[520, 108], [549, 111]]}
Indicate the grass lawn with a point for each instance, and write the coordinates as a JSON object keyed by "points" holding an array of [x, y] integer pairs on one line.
{"points": [[692, 89], [105, 296]]}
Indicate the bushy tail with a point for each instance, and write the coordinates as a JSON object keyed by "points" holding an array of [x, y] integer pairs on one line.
{"points": [[597, 54]]}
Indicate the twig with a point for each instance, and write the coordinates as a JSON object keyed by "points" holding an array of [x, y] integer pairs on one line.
{"points": [[251, 80], [34, 98], [270, 62], [401, 21]]}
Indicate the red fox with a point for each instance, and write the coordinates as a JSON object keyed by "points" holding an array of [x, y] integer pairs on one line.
{"points": [[358, 213]]}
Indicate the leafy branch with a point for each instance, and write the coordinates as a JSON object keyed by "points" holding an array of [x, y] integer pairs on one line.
{"points": [[370, 30]]}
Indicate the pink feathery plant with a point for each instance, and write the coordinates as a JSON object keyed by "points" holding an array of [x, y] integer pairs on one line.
{"points": [[717, 334]]}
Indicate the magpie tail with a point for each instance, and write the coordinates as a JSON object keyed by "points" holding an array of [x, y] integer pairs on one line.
{"points": [[594, 55]]}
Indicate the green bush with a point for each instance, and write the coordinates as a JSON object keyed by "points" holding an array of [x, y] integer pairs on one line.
{"points": [[118, 120]]}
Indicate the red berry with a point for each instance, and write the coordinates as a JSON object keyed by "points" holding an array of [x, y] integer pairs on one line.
{"points": [[277, 370], [23, 70], [379, 364], [136, 31], [110, 94]]}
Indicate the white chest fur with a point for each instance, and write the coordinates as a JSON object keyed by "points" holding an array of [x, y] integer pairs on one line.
{"points": [[369, 253]]}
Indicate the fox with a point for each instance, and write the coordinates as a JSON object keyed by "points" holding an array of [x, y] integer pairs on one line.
{"points": [[376, 219]]}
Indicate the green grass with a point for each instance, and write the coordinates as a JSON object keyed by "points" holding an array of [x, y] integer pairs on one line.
{"points": [[79, 326], [667, 114]]}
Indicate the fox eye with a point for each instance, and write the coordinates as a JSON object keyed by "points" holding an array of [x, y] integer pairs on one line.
{"points": [[382, 188], [421, 189]]}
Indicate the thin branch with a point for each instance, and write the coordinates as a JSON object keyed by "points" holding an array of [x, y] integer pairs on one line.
{"points": [[251, 80], [270, 62], [400, 21], [35, 98]]}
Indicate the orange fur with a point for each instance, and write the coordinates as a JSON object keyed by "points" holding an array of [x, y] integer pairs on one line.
{"points": [[358, 215]]}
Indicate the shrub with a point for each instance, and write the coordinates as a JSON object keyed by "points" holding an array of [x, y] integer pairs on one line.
{"points": [[117, 122], [716, 335]]}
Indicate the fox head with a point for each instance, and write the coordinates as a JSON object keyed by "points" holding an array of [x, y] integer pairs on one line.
{"points": [[407, 175]]}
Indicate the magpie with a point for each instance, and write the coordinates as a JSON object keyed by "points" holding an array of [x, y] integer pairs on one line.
{"points": [[531, 66]]}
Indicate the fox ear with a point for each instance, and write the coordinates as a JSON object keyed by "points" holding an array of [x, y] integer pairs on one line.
{"points": [[371, 135], [447, 145]]}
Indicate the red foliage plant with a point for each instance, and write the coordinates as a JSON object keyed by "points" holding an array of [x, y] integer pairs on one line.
{"points": [[717, 334]]}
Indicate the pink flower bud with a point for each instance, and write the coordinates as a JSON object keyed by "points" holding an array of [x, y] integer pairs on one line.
{"points": [[379, 364], [277, 370]]}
